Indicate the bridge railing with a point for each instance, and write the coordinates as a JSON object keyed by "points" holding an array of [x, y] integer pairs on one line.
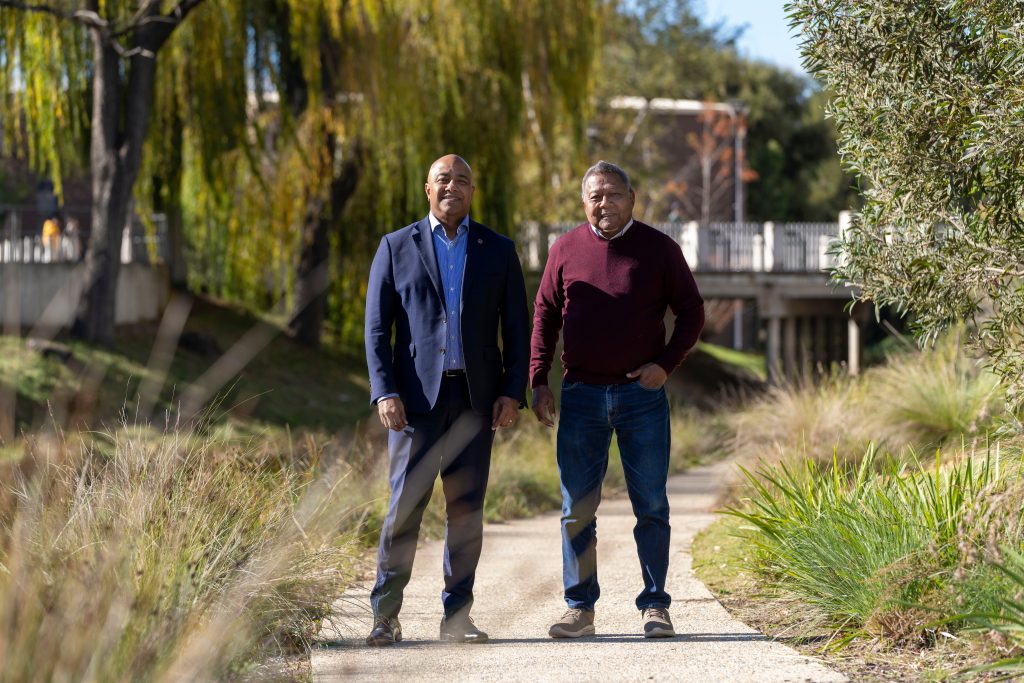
{"points": [[722, 247], [23, 239]]}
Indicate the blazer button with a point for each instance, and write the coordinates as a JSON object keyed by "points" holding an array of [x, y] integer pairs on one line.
{"points": [[442, 350]]}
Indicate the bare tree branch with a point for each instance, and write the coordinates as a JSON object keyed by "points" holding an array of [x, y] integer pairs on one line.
{"points": [[145, 17], [83, 17]]}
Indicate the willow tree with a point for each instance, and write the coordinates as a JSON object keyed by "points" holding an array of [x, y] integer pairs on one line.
{"points": [[67, 52], [351, 102], [929, 98]]}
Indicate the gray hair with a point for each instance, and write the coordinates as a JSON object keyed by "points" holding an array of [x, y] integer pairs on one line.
{"points": [[604, 168]]}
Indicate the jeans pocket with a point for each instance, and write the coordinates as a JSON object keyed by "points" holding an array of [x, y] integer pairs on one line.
{"points": [[569, 386], [650, 390]]}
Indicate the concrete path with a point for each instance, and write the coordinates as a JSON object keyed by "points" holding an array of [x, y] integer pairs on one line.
{"points": [[518, 595]]}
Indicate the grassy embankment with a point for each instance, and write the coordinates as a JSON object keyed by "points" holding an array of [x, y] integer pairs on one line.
{"points": [[879, 520], [146, 535]]}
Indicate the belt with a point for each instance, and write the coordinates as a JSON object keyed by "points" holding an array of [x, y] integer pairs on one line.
{"points": [[453, 373]]}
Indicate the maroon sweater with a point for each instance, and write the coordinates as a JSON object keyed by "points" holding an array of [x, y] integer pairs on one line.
{"points": [[610, 296]]}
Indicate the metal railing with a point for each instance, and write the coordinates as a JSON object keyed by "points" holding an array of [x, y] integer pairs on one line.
{"points": [[24, 240], [723, 247]]}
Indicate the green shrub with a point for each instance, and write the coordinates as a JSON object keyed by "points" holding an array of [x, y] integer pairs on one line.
{"points": [[1007, 617], [876, 546]]}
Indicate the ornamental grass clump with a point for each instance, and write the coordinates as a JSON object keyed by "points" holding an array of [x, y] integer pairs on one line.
{"points": [[882, 547], [934, 396], [162, 557], [918, 400]]}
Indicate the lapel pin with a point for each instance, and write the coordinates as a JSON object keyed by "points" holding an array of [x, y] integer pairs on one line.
{"points": [[479, 241]]}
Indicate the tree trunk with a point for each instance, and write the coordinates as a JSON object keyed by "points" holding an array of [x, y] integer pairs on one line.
{"points": [[119, 121], [312, 277], [171, 206], [95, 317]]}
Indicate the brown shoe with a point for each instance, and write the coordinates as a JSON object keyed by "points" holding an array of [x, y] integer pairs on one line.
{"points": [[386, 631], [657, 623], [576, 622]]}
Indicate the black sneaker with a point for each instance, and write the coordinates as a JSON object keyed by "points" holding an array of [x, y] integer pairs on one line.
{"points": [[576, 622], [657, 623], [461, 629], [386, 631]]}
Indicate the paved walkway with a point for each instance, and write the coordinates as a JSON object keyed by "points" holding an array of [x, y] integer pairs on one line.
{"points": [[518, 595]]}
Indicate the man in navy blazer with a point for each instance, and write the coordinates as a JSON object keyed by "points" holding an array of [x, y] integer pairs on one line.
{"points": [[442, 293]]}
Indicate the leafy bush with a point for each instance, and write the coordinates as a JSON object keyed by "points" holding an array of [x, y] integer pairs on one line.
{"points": [[927, 107]]}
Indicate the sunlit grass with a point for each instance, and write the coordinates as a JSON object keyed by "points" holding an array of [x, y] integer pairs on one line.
{"points": [[868, 544], [162, 557], [752, 362]]}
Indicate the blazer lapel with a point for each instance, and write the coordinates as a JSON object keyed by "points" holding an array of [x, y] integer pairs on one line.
{"points": [[425, 245]]}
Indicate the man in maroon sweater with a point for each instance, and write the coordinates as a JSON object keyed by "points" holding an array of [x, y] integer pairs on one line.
{"points": [[607, 286]]}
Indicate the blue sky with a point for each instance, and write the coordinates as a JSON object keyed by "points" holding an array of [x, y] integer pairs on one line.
{"points": [[767, 35]]}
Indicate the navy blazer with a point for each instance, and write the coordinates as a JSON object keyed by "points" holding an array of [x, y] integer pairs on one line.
{"points": [[404, 293]]}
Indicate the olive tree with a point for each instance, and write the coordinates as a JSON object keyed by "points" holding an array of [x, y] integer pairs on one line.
{"points": [[929, 104]]}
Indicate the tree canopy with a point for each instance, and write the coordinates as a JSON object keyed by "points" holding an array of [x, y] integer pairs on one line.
{"points": [[928, 103]]}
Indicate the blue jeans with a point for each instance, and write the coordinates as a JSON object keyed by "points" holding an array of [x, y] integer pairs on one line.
{"points": [[590, 413]]}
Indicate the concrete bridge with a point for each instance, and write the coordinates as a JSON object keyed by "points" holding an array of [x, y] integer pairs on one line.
{"points": [[768, 287]]}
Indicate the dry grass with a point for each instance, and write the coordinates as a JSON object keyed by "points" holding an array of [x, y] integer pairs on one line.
{"points": [[162, 557], [916, 402]]}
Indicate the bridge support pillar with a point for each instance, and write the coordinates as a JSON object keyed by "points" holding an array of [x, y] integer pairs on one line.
{"points": [[789, 346], [774, 350], [853, 346]]}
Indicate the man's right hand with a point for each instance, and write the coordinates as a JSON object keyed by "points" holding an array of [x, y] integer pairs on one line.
{"points": [[392, 413], [543, 402]]}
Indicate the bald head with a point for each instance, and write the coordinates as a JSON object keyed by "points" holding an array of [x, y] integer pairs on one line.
{"points": [[449, 189], [449, 161]]}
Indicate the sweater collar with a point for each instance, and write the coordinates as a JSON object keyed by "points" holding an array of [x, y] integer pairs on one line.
{"points": [[619, 234]]}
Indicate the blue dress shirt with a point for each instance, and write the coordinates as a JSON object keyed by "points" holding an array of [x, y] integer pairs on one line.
{"points": [[451, 262]]}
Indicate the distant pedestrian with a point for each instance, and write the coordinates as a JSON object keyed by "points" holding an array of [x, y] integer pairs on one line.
{"points": [[607, 286], [51, 239], [441, 295], [676, 213]]}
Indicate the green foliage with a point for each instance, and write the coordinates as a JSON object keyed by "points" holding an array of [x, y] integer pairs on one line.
{"points": [[870, 544], [303, 88], [1007, 619], [928, 100], [44, 78]]}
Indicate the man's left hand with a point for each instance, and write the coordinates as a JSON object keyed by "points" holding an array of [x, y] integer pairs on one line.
{"points": [[651, 375], [505, 412]]}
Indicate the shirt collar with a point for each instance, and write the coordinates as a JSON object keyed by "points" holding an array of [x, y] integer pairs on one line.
{"points": [[436, 224], [619, 234]]}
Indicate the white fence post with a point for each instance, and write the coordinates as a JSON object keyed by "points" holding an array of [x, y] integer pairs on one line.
{"points": [[689, 244], [769, 247], [845, 221]]}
